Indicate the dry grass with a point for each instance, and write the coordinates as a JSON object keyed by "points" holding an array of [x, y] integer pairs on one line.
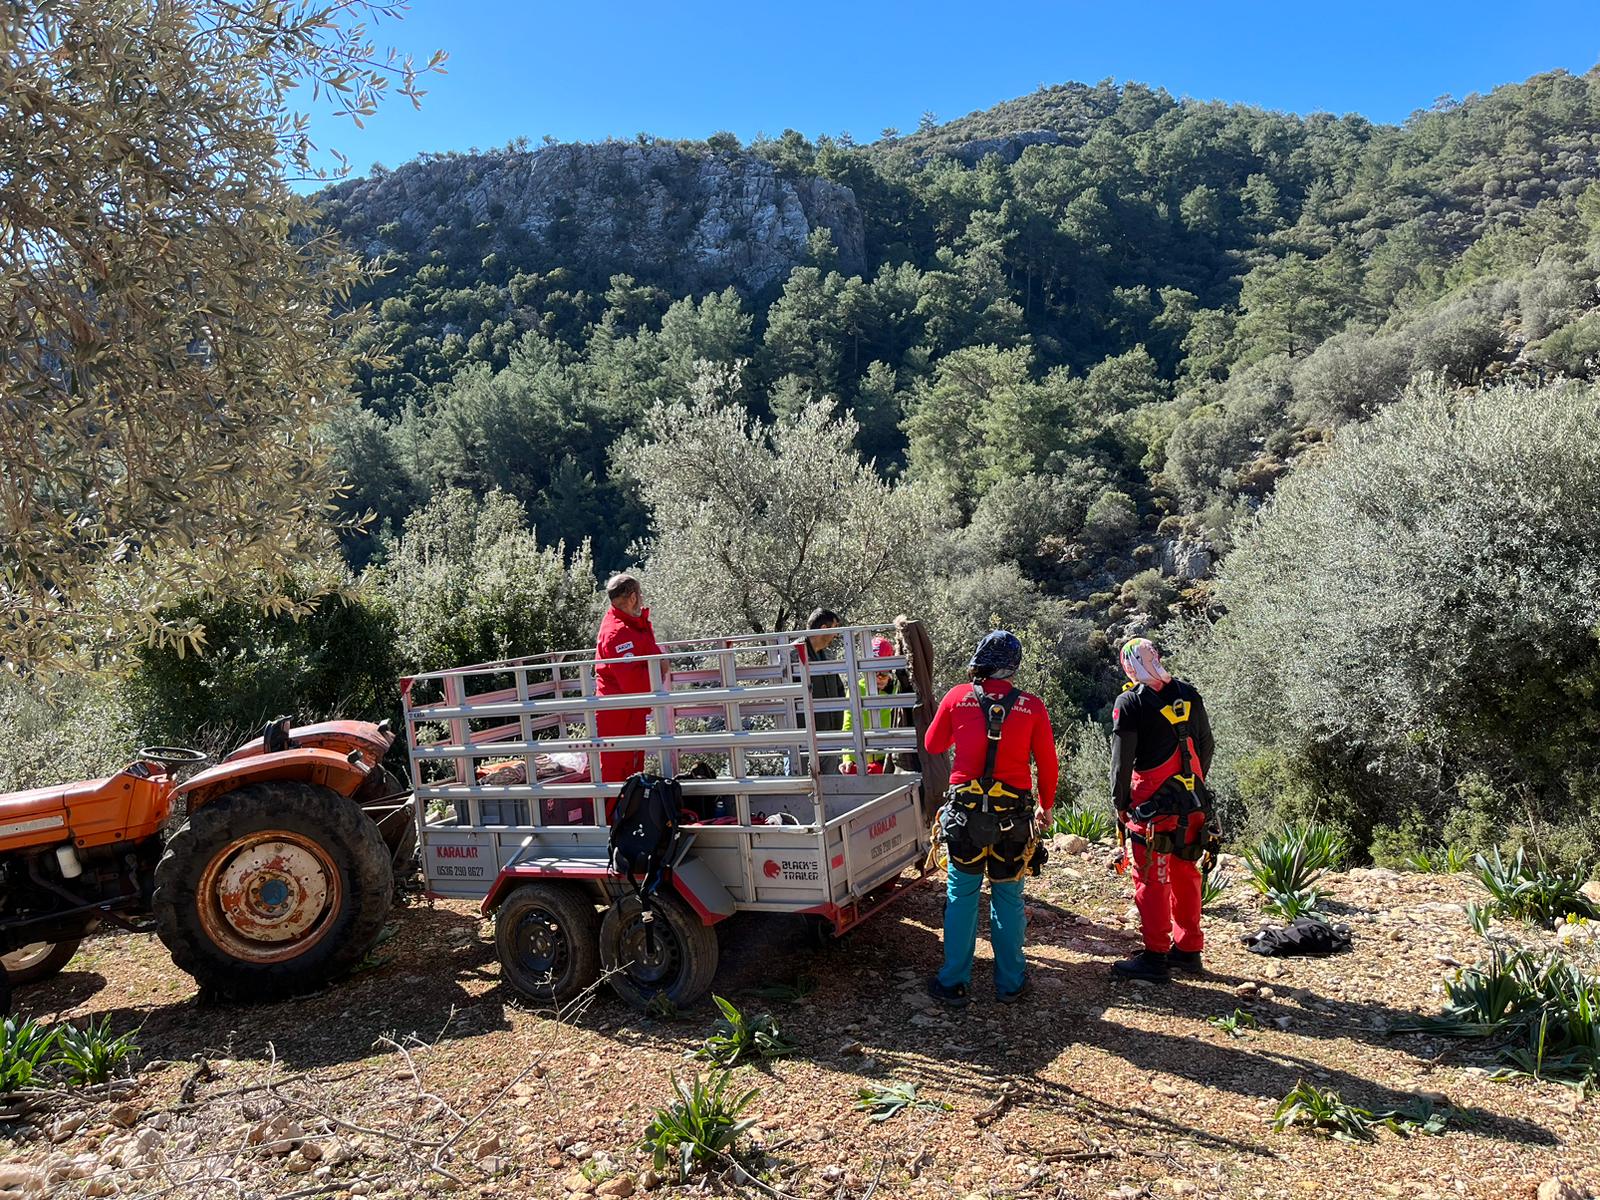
{"points": [[422, 1075]]}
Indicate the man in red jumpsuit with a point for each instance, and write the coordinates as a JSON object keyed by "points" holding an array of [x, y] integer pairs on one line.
{"points": [[625, 633], [1161, 748]]}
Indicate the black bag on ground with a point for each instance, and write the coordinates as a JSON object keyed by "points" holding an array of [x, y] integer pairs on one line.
{"points": [[643, 830], [1305, 935]]}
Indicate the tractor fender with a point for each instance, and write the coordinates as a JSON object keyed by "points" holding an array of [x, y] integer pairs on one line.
{"points": [[324, 768], [339, 736]]}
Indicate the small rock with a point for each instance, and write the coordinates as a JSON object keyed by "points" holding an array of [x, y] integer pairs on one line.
{"points": [[67, 1124], [1591, 892], [322, 1174], [1275, 970], [581, 1150], [359, 1188], [1244, 990], [578, 1182], [1265, 993], [622, 1185], [103, 1184], [650, 1179], [19, 1181], [852, 1048], [1437, 1099], [1182, 1187], [1283, 1022], [297, 1164], [1069, 843], [311, 1152], [832, 1173], [1559, 1189], [494, 1164], [489, 1147], [1162, 1088]]}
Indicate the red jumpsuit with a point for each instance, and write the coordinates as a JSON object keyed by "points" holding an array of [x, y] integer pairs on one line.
{"points": [[622, 637], [1144, 759]]}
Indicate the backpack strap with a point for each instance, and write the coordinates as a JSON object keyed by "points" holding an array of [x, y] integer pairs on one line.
{"points": [[995, 710]]}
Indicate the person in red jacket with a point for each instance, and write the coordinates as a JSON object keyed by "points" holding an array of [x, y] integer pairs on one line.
{"points": [[987, 822], [625, 633], [1161, 747]]}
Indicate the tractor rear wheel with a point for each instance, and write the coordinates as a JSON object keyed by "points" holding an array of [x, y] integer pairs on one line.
{"points": [[272, 890], [386, 802], [38, 960], [672, 955]]}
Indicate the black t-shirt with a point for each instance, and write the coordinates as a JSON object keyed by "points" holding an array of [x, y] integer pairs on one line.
{"points": [[1142, 739]]}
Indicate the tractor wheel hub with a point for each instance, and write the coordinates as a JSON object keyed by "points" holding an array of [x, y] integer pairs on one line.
{"points": [[273, 891]]}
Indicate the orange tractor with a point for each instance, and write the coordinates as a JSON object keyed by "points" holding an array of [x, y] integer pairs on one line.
{"points": [[265, 875]]}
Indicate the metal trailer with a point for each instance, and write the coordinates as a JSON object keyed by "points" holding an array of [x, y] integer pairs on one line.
{"points": [[505, 770]]}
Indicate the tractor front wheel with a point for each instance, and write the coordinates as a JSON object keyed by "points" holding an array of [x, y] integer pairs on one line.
{"points": [[272, 890], [38, 960]]}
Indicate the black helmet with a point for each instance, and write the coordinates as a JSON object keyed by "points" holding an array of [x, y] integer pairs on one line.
{"points": [[998, 656]]}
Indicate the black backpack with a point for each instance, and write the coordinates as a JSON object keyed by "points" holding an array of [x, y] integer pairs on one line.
{"points": [[643, 830]]}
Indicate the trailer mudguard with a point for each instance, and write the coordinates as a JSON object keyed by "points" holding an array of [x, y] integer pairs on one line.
{"points": [[691, 879]]}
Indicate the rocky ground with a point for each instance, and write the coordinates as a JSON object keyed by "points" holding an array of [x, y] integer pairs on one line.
{"points": [[422, 1075]]}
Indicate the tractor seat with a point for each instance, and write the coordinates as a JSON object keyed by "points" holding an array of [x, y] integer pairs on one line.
{"points": [[16, 807]]}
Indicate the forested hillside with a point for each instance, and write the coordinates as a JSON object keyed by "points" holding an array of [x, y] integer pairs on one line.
{"points": [[1080, 335], [1040, 365]]}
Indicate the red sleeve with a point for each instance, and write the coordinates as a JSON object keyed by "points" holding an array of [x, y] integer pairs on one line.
{"points": [[941, 733], [1044, 757], [648, 644]]}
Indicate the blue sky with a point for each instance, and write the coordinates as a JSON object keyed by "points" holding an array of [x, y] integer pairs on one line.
{"points": [[588, 69]]}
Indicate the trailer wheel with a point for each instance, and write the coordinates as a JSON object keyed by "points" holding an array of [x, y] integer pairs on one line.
{"points": [[547, 936], [675, 956], [272, 889], [38, 960]]}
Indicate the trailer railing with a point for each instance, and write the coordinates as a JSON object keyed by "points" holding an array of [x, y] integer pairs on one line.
{"points": [[744, 705]]}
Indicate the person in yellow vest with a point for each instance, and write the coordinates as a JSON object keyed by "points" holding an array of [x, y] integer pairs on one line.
{"points": [[873, 718]]}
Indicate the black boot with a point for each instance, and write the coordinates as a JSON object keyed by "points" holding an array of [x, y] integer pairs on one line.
{"points": [[1149, 965], [1187, 961]]}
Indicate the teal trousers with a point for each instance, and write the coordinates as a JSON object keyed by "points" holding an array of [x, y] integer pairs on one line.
{"points": [[1006, 925]]}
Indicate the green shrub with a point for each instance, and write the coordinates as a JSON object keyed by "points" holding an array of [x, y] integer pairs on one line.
{"points": [[1310, 1107], [700, 1127], [881, 1103], [1214, 886], [25, 1052], [1398, 616], [740, 1037], [1286, 866], [336, 662], [92, 1053], [1086, 766], [1544, 1010], [1092, 824], [1532, 892]]}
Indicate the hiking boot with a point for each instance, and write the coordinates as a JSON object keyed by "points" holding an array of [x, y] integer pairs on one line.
{"points": [[1187, 961], [1013, 997], [1148, 965], [954, 997]]}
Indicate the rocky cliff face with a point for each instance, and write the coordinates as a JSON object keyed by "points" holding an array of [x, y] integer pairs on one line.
{"points": [[687, 221]]}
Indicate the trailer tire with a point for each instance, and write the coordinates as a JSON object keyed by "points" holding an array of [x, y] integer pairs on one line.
{"points": [[547, 937], [682, 964], [38, 960], [272, 890]]}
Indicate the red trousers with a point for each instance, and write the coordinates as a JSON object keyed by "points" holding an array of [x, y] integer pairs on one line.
{"points": [[617, 765], [1166, 891]]}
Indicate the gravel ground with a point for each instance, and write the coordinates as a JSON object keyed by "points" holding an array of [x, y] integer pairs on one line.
{"points": [[422, 1075]]}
